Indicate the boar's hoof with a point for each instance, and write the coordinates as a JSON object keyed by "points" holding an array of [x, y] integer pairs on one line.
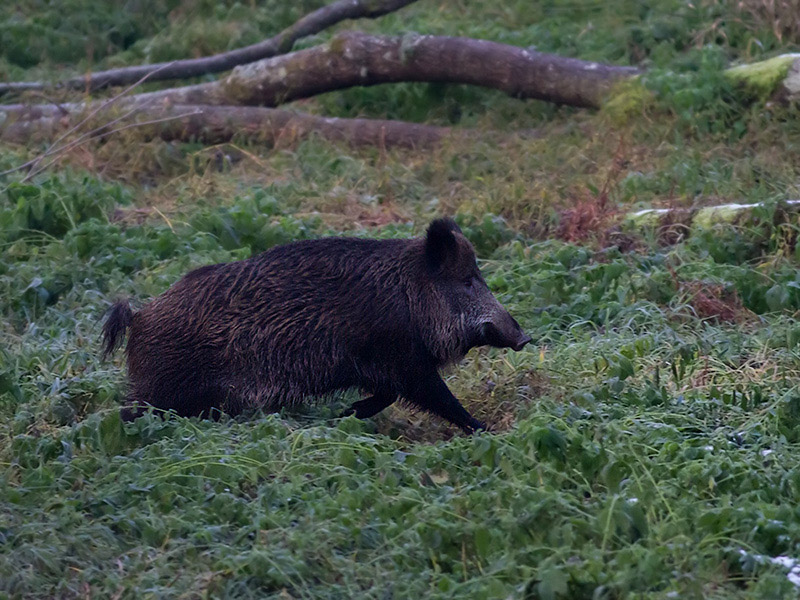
{"points": [[474, 426], [131, 413]]}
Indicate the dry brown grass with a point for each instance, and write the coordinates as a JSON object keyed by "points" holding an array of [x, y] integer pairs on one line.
{"points": [[782, 17], [591, 214], [715, 302], [711, 301]]}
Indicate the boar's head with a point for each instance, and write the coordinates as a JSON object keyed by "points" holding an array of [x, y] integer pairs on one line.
{"points": [[467, 312]]}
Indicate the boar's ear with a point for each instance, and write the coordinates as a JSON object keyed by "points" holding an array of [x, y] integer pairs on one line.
{"points": [[440, 244]]}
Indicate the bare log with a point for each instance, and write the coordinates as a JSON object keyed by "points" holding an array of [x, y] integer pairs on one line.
{"points": [[311, 24], [217, 124], [358, 59], [704, 217]]}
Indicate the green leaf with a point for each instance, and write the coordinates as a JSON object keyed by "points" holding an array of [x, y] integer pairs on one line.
{"points": [[553, 583], [550, 443], [777, 297], [483, 540], [112, 434], [625, 367]]}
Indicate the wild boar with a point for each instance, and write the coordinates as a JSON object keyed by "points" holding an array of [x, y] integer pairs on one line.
{"points": [[312, 317]]}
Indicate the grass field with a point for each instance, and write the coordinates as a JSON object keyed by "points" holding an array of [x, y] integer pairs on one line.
{"points": [[646, 444]]}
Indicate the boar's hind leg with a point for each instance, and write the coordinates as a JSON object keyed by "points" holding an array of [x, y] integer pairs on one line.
{"points": [[369, 407], [432, 394]]}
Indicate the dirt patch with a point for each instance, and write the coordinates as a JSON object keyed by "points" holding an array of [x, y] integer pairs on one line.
{"points": [[714, 302], [131, 216], [589, 218], [349, 210], [499, 405], [675, 226]]}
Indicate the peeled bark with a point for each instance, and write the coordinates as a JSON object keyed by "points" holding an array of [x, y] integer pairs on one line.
{"points": [[216, 124], [357, 59], [312, 23], [674, 224], [706, 216]]}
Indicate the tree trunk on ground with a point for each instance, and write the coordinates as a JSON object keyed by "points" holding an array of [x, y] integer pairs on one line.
{"points": [[312, 23], [212, 111], [357, 59], [216, 124]]}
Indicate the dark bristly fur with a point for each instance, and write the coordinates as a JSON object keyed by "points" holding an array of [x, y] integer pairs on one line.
{"points": [[119, 319], [312, 317]]}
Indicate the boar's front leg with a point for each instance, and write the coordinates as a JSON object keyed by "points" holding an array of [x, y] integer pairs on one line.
{"points": [[432, 394], [369, 407]]}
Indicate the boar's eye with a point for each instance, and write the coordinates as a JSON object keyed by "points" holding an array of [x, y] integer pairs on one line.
{"points": [[468, 282]]}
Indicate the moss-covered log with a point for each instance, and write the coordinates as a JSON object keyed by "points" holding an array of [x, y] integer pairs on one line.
{"points": [[777, 78]]}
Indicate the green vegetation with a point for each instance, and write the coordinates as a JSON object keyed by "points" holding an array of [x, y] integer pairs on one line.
{"points": [[646, 444]]}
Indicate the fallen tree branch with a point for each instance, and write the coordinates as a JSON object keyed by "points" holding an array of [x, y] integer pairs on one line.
{"points": [[671, 225], [217, 124], [703, 217], [358, 59], [311, 24]]}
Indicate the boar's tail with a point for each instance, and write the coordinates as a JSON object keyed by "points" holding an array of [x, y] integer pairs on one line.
{"points": [[120, 317]]}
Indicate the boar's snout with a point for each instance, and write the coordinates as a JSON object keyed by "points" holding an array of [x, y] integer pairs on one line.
{"points": [[504, 332], [522, 342]]}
